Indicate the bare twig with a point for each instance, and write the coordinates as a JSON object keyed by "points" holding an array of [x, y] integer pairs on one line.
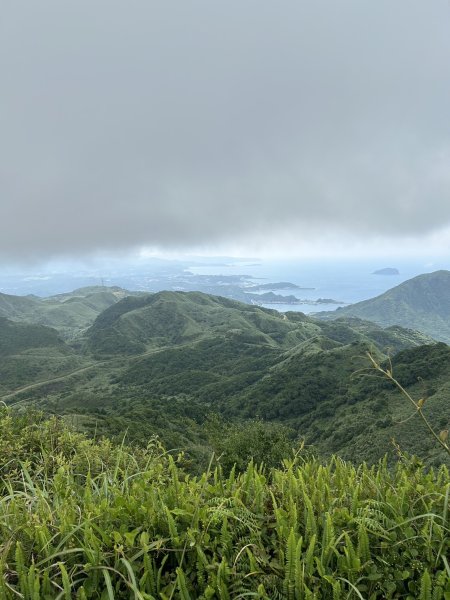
{"points": [[441, 437]]}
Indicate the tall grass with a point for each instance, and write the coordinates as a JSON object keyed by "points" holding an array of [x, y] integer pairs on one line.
{"points": [[82, 519]]}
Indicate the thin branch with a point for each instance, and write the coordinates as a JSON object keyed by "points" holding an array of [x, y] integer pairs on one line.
{"points": [[418, 405]]}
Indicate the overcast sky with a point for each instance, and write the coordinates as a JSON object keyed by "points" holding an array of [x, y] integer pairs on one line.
{"points": [[239, 124]]}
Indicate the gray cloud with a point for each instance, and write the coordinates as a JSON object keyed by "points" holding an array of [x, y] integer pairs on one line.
{"points": [[179, 123]]}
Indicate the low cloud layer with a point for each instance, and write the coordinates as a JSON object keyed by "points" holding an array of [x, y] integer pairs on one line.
{"points": [[177, 124]]}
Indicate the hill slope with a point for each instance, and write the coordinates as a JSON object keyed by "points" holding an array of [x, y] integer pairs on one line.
{"points": [[16, 337], [161, 362], [170, 319], [136, 324], [69, 313], [421, 303], [30, 353]]}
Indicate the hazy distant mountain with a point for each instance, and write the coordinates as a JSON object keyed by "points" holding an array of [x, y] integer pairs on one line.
{"points": [[17, 307], [387, 271], [421, 303], [69, 313]]}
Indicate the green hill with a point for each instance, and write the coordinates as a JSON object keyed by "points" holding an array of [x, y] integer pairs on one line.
{"points": [[160, 363], [16, 337], [284, 398], [137, 324], [18, 307], [333, 400], [370, 412], [69, 313], [421, 303], [30, 353], [168, 319]]}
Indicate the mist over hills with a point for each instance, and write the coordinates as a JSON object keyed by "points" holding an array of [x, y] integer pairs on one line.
{"points": [[421, 303]]}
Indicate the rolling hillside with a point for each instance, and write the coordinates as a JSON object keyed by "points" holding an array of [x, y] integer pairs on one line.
{"points": [[16, 337], [166, 319], [169, 319], [161, 363], [30, 353], [421, 303], [69, 313]]}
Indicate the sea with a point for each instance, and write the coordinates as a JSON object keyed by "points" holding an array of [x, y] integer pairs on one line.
{"points": [[343, 281]]}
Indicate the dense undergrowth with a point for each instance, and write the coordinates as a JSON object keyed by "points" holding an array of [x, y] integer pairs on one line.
{"points": [[89, 519]]}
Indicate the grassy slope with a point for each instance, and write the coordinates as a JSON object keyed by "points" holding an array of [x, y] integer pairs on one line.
{"points": [[17, 307], [209, 354], [90, 520], [31, 353], [68, 313], [170, 319], [16, 337], [421, 303], [175, 318]]}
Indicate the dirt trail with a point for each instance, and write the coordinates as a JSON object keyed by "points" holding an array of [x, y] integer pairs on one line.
{"points": [[31, 386], [102, 363]]}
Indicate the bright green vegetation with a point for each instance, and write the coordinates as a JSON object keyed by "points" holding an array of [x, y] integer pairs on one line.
{"points": [[421, 303], [161, 364], [93, 520]]}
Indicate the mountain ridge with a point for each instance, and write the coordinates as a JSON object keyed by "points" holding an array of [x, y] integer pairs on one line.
{"points": [[158, 364], [421, 303], [70, 313]]}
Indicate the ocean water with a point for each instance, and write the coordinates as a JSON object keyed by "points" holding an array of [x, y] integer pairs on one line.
{"points": [[346, 281]]}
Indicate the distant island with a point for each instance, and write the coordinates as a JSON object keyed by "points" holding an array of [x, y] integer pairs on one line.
{"points": [[271, 298], [280, 285], [326, 301], [387, 271]]}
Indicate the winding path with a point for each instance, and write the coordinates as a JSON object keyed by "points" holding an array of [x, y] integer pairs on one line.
{"points": [[6, 397]]}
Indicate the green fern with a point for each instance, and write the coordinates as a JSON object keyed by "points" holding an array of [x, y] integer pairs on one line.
{"points": [[182, 585], [425, 586]]}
